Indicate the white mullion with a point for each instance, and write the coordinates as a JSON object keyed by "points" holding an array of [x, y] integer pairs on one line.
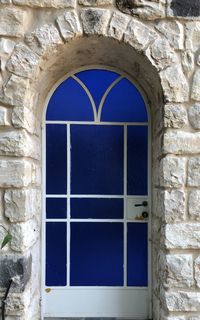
{"points": [[68, 202], [125, 209]]}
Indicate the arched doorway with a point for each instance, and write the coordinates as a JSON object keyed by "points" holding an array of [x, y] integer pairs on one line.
{"points": [[97, 194]]}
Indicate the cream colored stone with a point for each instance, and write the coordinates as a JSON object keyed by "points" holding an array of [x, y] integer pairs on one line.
{"points": [[182, 236], [194, 204], [24, 118], [172, 171], [4, 117], [183, 301], [194, 172], [12, 22], [15, 91], [195, 92], [186, 142], [173, 31], [118, 25], [95, 21], [175, 116], [197, 271], [6, 48], [188, 62], [94, 2], [69, 25], [46, 3], [174, 206], [15, 173], [192, 41], [194, 116]]}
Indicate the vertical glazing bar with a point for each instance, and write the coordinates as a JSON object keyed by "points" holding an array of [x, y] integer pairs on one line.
{"points": [[68, 202], [125, 200]]}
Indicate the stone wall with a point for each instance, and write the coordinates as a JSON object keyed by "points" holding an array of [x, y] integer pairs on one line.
{"points": [[158, 44]]}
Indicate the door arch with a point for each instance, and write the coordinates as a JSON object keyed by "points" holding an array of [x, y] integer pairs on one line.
{"points": [[116, 115]]}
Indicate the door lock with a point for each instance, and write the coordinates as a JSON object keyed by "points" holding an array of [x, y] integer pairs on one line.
{"points": [[143, 204]]}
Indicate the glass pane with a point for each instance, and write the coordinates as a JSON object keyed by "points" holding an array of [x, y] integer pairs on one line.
{"points": [[70, 102], [56, 208], [56, 258], [137, 160], [97, 82], [56, 159], [137, 260], [97, 159], [97, 208], [124, 103], [96, 254]]}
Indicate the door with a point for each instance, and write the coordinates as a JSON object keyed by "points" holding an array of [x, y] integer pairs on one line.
{"points": [[96, 204]]}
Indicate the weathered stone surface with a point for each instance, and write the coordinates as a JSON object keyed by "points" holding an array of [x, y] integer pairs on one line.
{"points": [[172, 171], [24, 118], [194, 204], [46, 3], [175, 116], [139, 35], [16, 304], [95, 21], [173, 31], [194, 116], [174, 84], [22, 205], [194, 172], [6, 48], [184, 8], [19, 143], [192, 41], [186, 142], [161, 54], [69, 25], [188, 62], [36, 174], [174, 206], [118, 25], [197, 271], [23, 62], [195, 92], [45, 39], [17, 268], [182, 301], [145, 9], [11, 22], [95, 2], [24, 235], [14, 91], [178, 270], [4, 117], [182, 235], [15, 173]]}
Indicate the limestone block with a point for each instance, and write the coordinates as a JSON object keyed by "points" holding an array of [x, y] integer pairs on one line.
{"points": [[174, 206], [5, 1], [12, 22], [4, 117], [23, 62], [194, 116], [192, 41], [15, 173], [6, 48], [24, 118], [1, 206], [172, 171], [94, 2], [173, 31], [139, 35], [194, 172], [182, 301], [178, 271], [15, 304], [43, 40], [197, 271], [22, 205], [194, 204], [175, 116], [15, 91], [19, 144], [118, 25], [161, 54], [181, 142], [174, 84], [46, 3], [187, 62], [69, 25], [182, 236], [36, 174], [24, 235], [173, 318], [195, 92], [95, 21]]}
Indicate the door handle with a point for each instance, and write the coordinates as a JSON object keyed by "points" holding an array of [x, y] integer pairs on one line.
{"points": [[143, 204]]}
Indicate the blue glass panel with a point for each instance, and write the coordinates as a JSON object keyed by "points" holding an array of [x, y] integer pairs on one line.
{"points": [[97, 159], [137, 259], [56, 258], [56, 159], [97, 208], [124, 103], [96, 254], [137, 160], [97, 82], [56, 208], [69, 102]]}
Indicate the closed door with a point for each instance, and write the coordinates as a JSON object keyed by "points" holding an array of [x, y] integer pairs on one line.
{"points": [[96, 205]]}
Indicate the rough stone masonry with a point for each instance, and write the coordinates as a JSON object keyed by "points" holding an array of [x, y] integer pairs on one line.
{"points": [[158, 43]]}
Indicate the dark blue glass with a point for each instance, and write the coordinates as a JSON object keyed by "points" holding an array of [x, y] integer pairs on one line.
{"points": [[96, 254], [137, 160], [124, 103], [97, 159], [56, 208], [56, 258], [97, 82], [70, 102], [97, 208], [56, 159], [137, 257]]}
